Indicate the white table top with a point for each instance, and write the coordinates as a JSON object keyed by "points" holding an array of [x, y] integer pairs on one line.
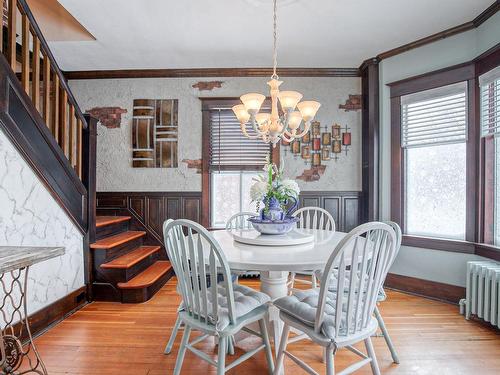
{"points": [[306, 257]]}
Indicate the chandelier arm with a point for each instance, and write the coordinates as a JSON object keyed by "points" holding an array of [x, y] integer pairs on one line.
{"points": [[284, 136], [245, 133], [306, 129], [256, 129]]}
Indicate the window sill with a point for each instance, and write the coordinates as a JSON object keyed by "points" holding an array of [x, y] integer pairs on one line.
{"points": [[455, 246]]}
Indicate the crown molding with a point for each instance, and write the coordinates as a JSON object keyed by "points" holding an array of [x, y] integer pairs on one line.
{"points": [[211, 72]]}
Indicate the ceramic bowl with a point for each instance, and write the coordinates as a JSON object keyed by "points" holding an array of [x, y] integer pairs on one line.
{"points": [[273, 226]]}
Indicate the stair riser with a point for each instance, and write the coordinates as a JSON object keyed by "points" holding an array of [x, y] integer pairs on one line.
{"points": [[144, 294], [105, 292], [119, 275], [110, 230]]}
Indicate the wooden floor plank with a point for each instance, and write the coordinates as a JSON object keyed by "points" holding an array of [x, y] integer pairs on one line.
{"points": [[112, 338]]}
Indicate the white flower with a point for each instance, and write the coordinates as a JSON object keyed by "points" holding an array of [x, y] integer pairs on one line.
{"points": [[258, 191], [290, 187]]}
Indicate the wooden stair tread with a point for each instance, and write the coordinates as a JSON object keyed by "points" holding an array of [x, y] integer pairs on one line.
{"points": [[117, 239], [102, 221], [148, 276], [130, 259]]}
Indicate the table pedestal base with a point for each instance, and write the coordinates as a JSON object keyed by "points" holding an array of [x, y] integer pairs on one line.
{"points": [[15, 358]]}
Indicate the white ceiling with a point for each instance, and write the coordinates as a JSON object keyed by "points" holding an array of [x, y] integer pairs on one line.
{"points": [[158, 34]]}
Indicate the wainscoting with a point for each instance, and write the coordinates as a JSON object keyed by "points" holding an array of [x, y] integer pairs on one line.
{"points": [[150, 209], [344, 206]]}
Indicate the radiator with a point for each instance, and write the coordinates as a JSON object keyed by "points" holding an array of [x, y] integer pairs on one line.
{"points": [[482, 297]]}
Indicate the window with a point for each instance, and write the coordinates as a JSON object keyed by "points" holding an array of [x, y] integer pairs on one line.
{"points": [[490, 132], [233, 160], [433, 140]]}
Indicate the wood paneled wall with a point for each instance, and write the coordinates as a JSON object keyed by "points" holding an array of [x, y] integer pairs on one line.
{"points": [[150, 209]]}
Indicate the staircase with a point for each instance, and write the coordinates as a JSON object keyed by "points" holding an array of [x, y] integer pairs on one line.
{"points": [[124, 268], [39, 114]]}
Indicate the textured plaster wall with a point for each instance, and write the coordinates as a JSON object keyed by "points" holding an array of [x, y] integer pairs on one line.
{"points": [[29, 216], [114, 156]]}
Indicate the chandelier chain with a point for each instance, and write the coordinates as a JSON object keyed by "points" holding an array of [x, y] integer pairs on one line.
{"points": [[275, 37]]}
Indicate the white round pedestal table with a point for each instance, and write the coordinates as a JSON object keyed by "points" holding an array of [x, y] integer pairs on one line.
{"points": [[275, 262]]}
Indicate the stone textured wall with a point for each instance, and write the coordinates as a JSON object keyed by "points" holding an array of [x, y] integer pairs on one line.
{"points": [[115, 173], [30, 216]]}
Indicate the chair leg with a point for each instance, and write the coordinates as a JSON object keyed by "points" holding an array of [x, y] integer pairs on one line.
{"points": [[265, 339], [330, 366], [221, 355], [173, 335], [385, 333], [230, 345], [371, 354], [182, 350], [314, 281], [281, 351], [291, 282]]}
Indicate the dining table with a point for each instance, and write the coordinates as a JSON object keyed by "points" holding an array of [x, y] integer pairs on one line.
{"points": [[275, 262]]}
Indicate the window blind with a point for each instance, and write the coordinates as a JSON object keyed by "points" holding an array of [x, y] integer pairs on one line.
{"points": [[229, 148], [489, 84], [434, 116]]}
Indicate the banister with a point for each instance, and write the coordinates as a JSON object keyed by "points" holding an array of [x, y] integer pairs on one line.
{"points": [[48, 53]]}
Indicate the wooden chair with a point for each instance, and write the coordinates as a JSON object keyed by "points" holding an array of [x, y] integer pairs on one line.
{"points": [[240, 221], [340, 320], [382, 296], [311, 218], [221, 309]]}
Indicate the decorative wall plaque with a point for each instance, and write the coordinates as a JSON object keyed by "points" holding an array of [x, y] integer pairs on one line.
{"points": [[154, 133], [317, 146]]}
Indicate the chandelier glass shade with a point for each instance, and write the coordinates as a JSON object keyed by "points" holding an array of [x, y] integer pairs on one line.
{"points": [[273, 126]]}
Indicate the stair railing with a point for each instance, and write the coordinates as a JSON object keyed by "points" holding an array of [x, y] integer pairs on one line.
{"points": [[29, 56]]}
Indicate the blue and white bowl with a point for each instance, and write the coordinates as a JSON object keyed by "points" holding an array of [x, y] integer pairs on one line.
{"points": [[273, 226]]}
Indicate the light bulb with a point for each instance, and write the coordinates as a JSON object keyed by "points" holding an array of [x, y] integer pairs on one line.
{"points": [[308, 109], [289, 99], [241, 113], [252, 102]]}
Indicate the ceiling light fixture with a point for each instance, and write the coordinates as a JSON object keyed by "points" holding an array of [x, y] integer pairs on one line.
{"points": [[272, 127]]}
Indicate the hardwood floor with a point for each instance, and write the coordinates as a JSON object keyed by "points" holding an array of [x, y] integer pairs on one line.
{"points": [[111, 338]]}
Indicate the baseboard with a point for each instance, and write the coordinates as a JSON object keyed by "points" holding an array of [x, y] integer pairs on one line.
{"points": [[425, 288], [57, 311]]}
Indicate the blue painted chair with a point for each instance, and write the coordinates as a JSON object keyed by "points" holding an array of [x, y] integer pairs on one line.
{"points": [[221, 309]]}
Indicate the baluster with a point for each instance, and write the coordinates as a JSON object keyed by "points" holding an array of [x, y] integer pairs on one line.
{"points": [[79, 126], [63, 105], [72, 122], [1, 28], [46, 90], [25, 57], [11, 42], [35, 67], [55, 109]]}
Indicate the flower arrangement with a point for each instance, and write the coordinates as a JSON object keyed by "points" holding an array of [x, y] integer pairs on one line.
{"points": [[271, 189]]}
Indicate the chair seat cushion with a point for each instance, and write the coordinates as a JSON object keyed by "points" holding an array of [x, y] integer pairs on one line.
{"points": [[245, 300], [303, 305], [334, 282]]}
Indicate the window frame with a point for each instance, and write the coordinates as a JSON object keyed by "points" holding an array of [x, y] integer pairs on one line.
{"points": [[208, 104], [478, 211], [443, 77]]}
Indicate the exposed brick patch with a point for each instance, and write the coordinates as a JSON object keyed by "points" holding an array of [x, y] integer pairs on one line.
{"points": [[207, 85], [196, 163], [110, 117], [352, 104], [312, 174]]}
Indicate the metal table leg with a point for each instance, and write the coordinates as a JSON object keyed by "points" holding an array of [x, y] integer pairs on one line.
{"points": [[16, 358]]}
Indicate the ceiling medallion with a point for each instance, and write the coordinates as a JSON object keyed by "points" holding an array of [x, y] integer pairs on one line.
{"points": [[272, 127]]}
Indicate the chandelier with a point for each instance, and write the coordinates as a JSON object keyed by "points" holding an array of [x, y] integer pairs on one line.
{"points": [[272, 127]]}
